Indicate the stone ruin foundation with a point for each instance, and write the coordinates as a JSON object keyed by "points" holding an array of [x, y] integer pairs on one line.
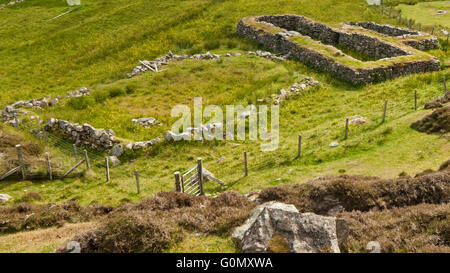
{"points": [[395, 51]]}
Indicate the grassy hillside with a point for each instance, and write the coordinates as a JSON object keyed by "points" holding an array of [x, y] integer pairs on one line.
{"points": [[99, 43], [426, 13]]}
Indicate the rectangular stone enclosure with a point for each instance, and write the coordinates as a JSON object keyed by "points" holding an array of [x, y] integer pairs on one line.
{"points": [[393, 52]]}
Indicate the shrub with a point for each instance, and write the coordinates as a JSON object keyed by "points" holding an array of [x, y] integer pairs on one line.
{"points": [[100, 96], [80, 103], [130, 89], [116, 92], [32, 196]]}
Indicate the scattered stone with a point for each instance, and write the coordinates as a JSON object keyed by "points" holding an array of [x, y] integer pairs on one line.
{"points": [[129, 146], [253, 196], [358, 120], [171, 136], [2, 6], [10, 112], [83, 91], [157, 64], [145, 122], [373, 2], [307, 83], [334, 144], [113, 160], [117, 150], [4, 198], [71, 247], [298, 232]]}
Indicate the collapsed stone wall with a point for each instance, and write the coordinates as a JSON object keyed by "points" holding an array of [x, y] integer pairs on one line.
{"points": [[357, 75], [12, 111], [97, 139], [2, 6], [157, 64]]}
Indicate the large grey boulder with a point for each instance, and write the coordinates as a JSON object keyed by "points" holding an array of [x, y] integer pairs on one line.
{"points": [[301, 232]]}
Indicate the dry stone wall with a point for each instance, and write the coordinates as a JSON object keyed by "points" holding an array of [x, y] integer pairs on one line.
{"points": [[281, 31], [410, 37], [85, 134]]}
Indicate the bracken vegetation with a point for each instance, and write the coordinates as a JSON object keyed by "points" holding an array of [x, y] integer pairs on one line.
{"points": [[97, 44]]}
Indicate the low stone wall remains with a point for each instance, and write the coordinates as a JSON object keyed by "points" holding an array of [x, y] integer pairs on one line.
{"points": [[262, 30]]}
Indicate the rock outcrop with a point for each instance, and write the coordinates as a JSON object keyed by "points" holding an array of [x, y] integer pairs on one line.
{"points": [[274, 223]]}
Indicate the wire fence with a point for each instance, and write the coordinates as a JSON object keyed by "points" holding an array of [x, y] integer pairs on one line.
{"points": [[140, 179], [410, 23]]}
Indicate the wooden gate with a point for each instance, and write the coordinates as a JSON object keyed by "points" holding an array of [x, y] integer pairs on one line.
{"points": [[191, 182]]}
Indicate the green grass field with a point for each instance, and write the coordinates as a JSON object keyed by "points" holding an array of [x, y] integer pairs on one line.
{"points": [[100, 42], [426, 13]]}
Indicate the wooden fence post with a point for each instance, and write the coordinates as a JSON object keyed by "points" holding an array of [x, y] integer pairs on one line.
{"points": [[73, 168], [107, 168], [346, 128], [75, 152], [86, 159], [177, 181], [21, 163], [16, 122], [445, 87], [44, 135], [299, 150], [136, 174], [245, 163], [415, 99], [200, 175], [49, 166], [432, 31], [384, 111]]}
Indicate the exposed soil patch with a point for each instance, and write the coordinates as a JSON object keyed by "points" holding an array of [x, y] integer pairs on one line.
{"points": [[436, 122]]}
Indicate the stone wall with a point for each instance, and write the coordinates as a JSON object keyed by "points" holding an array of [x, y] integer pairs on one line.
{"points": [[12, 111], [371, 46], [263, 30], [410, 37], [87, 135]]}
